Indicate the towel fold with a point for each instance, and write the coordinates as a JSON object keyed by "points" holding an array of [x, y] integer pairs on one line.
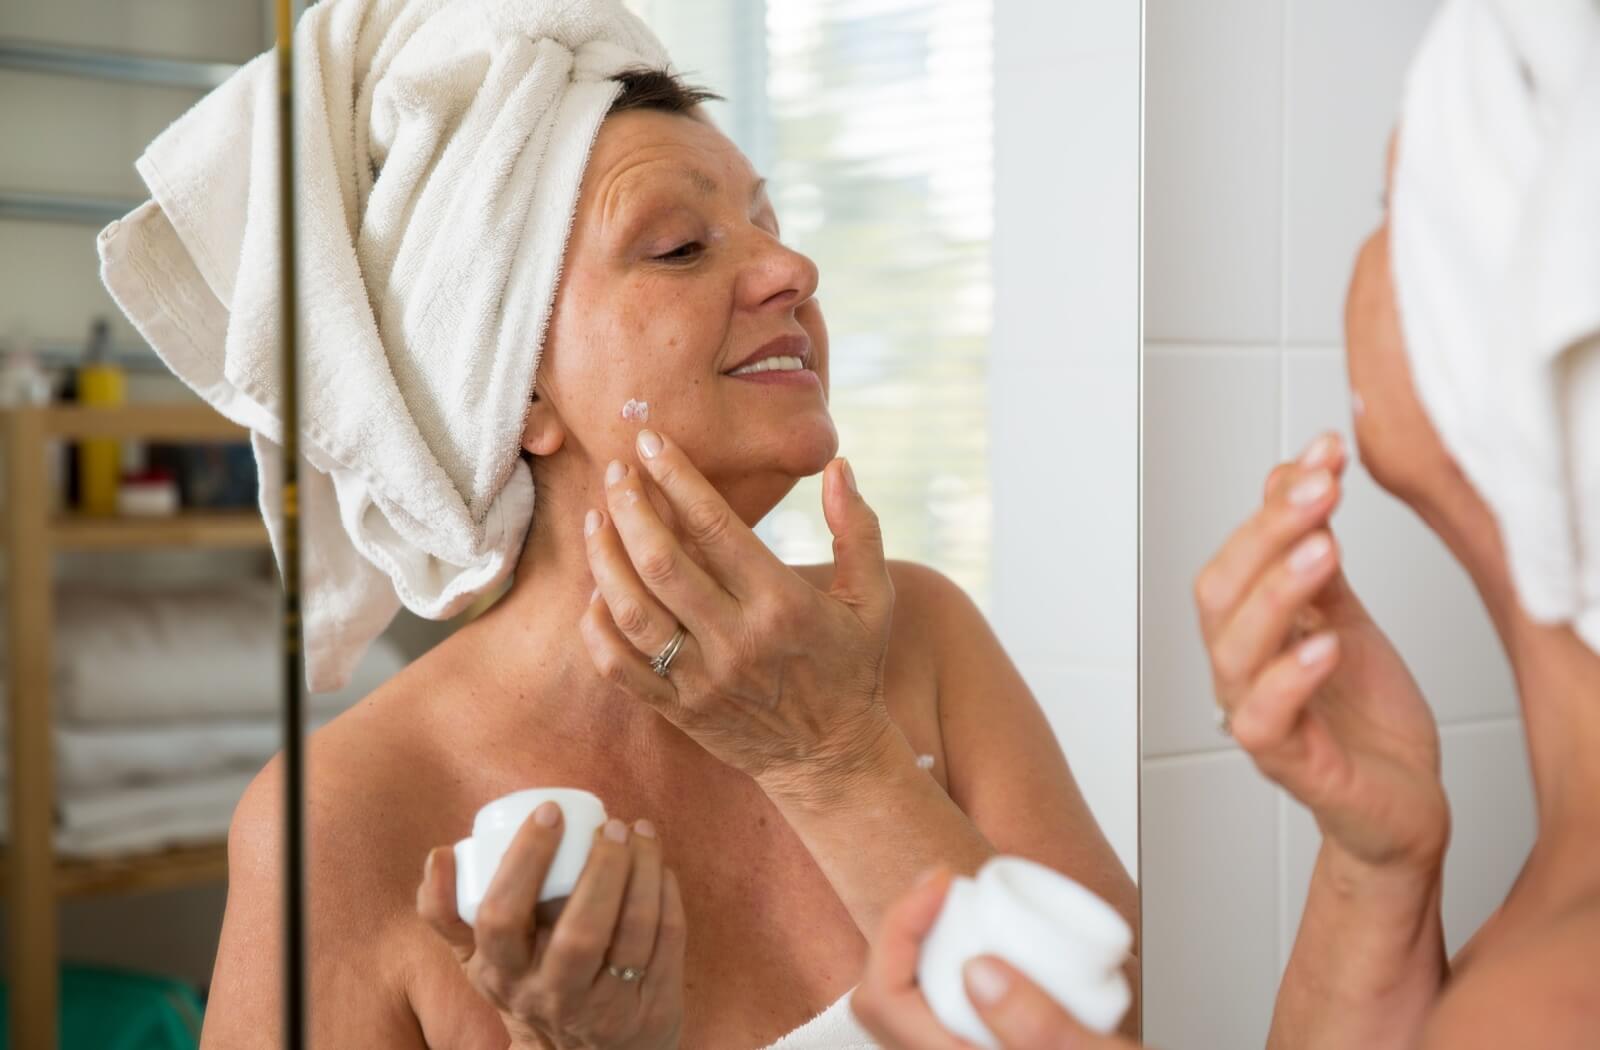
{"points": [[440, 145], [137, 819], [134, 656], [1495, 249]]}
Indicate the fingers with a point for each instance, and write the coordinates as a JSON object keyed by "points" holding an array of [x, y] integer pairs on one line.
{"points": [[672, 935], [1269, 712], [893, 963], [621, 664], [635, 938], [436, 902], [1301, 499], [583, 934], [658, 560], [1021, 1015], [731, 549], [644, 622], [861, 572], [888, 1001], [1258, 627], [505, 919]]}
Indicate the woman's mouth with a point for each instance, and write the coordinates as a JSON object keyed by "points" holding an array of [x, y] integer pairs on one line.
{"points": [[785, 360], [771, 364]]}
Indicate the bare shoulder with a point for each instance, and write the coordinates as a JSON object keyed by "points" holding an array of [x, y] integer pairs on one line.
{"points": [[927, 603], [1537, 989], [359, 876]]}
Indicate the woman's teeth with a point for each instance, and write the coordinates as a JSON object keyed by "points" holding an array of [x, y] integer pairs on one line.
{"points": [[771, 364]]}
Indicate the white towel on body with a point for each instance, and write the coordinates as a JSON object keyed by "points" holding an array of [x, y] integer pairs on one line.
{"points": [[440, 145], [836, 1028], [1495, 247]]}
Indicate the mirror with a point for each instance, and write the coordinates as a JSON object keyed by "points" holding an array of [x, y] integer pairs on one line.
{"points": [[963, 203]]}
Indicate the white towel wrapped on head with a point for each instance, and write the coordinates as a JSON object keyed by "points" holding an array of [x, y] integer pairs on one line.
{"points": [[440, 145], [1495, 247]]}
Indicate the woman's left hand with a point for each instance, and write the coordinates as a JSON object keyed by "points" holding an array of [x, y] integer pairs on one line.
{"points": [[890, 1005], [775, 677]]}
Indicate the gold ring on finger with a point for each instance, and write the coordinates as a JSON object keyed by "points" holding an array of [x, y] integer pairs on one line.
{"points": [[626, 974]]}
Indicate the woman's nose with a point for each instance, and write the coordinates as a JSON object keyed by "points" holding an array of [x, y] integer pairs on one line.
{"points": [[778, 276]]}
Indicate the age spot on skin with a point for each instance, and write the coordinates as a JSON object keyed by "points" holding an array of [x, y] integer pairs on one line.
{"points": [[636, 411]]}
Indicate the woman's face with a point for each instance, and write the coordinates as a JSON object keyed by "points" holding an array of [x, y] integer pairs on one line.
{"points": [[1398, 443], [675, 282]]}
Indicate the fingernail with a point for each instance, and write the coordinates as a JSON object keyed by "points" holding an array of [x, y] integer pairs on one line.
{"points": [[649, 443], [986, 981], [926, 877], [644, 829], [1311, 551], [591, 522], [548, 815], [427, 866], [849, 476], [1317, 451], [1311, 489], [616, 830], [615, 472], [1315, 650]]}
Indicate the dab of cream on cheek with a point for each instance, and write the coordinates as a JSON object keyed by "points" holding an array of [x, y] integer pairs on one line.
{"points": [[636, 411]]}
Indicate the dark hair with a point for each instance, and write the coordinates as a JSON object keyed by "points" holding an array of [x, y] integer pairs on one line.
{"points": [[645, 88]]}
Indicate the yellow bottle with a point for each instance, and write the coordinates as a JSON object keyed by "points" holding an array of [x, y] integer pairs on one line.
{"points": [[100, 383]]}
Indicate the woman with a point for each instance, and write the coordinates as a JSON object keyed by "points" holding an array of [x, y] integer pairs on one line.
{"points": [[772, 775], [1312, 689]]}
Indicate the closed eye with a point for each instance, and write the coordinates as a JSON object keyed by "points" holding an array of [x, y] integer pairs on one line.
{"points": [[682, 253]]}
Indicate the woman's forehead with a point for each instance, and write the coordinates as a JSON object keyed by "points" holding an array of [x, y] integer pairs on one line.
{"points": [[637, 151]]}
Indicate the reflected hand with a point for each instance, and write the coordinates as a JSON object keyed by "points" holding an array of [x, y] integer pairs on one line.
{"points": [[553, 984], [1311, 687], [890, 1005], [776, 678]]}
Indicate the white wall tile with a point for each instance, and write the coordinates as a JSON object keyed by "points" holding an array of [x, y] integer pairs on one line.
{"points": [[1065, 252], [1211, 435], [1485, 772], [1487, 778], [1095, 717], [1029, 34], [1344, 70], [1063, 471], [1409, 581], [1209, 841], [1213, 170]]}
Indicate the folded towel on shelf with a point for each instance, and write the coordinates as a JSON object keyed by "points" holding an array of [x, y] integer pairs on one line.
{"points": [[90, 758], [150, 817], [440, 146], [137, 656]]}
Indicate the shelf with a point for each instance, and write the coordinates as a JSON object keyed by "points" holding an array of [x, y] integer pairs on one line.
{"points": [[59, 207], [140, 873], [33, 57], [190, 528], [155, 422]]}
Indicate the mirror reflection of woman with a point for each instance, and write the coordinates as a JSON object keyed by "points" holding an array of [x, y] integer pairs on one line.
{"points": [[822, 734], [1312, 688]]}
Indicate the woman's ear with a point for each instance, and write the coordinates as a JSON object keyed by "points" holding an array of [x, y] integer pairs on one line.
{"points": [[543, 433]]}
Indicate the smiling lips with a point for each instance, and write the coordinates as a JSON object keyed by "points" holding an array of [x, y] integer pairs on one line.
{"points": [[785, 357]]}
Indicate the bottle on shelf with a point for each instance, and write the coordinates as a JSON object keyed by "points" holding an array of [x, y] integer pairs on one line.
{"points": [[101, 383]]}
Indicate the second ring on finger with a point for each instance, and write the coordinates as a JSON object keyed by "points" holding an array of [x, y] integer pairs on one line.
{"points": [[641, 618]]}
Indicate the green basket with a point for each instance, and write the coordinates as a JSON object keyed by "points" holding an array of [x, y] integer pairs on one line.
{"points": [[104, 1009]]}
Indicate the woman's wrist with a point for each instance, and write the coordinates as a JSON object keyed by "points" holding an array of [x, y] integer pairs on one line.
{"points": [[860, 756]]}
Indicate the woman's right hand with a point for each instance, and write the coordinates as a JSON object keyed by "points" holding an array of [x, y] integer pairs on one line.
{"points": [[1311, 687], [558, 986]]}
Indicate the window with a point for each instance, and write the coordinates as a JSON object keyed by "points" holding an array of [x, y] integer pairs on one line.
{"points": [[872, 120]]}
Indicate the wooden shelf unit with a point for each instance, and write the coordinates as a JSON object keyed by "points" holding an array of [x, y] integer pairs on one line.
{"points": [[33, 879]]}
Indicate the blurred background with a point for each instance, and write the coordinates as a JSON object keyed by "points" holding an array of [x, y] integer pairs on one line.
{"points": [[971, 195]]}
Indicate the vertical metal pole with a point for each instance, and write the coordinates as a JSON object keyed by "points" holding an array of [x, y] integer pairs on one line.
{"points": [[294, 925]]}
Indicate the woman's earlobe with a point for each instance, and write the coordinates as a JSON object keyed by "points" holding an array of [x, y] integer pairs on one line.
{"points": [[543, 433]]}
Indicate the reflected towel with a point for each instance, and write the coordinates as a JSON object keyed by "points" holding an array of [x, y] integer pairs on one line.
{"points": [[440, 145], [1495, 246]]}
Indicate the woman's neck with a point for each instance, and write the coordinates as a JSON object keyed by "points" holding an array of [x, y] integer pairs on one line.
{"points": [[1557, 678]]}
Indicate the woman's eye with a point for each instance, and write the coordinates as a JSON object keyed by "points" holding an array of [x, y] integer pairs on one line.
{"points": [[682, 253]]}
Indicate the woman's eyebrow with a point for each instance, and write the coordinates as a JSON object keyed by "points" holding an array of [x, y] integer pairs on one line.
{"points": [[708, 187]]}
